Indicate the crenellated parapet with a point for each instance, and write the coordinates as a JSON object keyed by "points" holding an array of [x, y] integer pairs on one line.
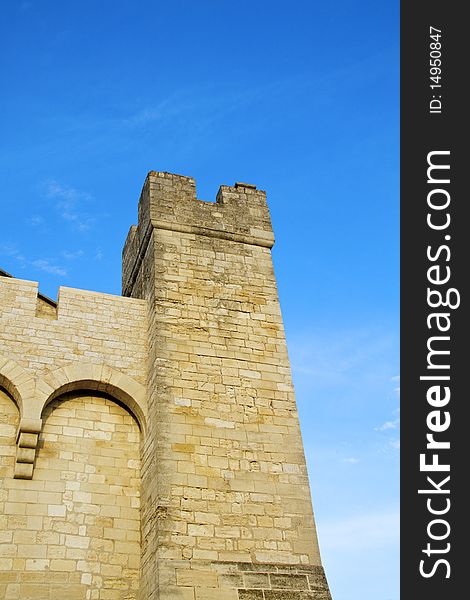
{"points": [[168, 202], [84, 341]]}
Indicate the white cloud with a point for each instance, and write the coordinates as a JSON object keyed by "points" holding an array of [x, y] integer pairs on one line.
{"points": [[362, 531], [72, 255], [395, 424], [11, 251], [346, 356], [40, 263], [68, 204], [351, 460], [36, 220], [66, 194], [195, 110], [146, 115], [47, 267]]}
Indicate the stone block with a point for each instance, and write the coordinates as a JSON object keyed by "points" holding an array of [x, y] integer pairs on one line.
{"points": [[23, 471], [250, 595], [27, 440]]}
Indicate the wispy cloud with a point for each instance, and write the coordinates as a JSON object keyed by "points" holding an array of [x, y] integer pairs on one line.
{"points": [[351, 460], [362, 531], [35, 220], [193, 102], [41, 264], [72, 255], [164, 109], [11, 251], [392, 425], [344, 363], [48, 267], [395, 424], [195, 111], [69, 204]]}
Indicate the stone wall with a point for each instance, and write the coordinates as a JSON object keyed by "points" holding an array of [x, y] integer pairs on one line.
{"points": [[85, 328], [249, 581], [86, 340], [192, 363], [73, 532]]}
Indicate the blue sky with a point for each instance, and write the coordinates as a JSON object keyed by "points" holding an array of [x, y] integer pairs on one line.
{"points": [[300, 98]]}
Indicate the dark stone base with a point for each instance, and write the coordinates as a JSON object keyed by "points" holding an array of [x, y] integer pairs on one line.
{"points": [[274, 582]]}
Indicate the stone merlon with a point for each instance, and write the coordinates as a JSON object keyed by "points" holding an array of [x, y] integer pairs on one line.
{"points": [[169, 202]]}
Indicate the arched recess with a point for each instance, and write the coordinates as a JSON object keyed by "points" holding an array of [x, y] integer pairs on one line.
{"points": [[100, 378], [9, 420], [80, 536], [17, 382]]}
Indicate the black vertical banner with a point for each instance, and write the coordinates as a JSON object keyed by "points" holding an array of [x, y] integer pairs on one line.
{"points": [[435, 252]]}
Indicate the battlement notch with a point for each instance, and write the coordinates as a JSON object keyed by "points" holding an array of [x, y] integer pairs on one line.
{"points": [[168, 202]]}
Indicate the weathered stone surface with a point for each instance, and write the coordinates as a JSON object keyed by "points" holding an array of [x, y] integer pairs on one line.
{"points": [[196, 352], [79, 516], [250, 595], [289, 595], [288, 581]]}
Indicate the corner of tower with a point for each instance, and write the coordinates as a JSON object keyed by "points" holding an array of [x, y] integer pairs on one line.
{"points": [[168, 202]]}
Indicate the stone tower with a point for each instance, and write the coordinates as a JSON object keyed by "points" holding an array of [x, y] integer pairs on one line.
{"points": [[194, 356]]}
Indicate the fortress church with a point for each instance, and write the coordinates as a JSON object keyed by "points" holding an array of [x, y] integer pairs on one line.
{"points": [[149, 443]]}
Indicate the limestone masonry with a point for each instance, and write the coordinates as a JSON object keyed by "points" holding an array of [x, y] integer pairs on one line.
{"points": [[149, 444]]}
